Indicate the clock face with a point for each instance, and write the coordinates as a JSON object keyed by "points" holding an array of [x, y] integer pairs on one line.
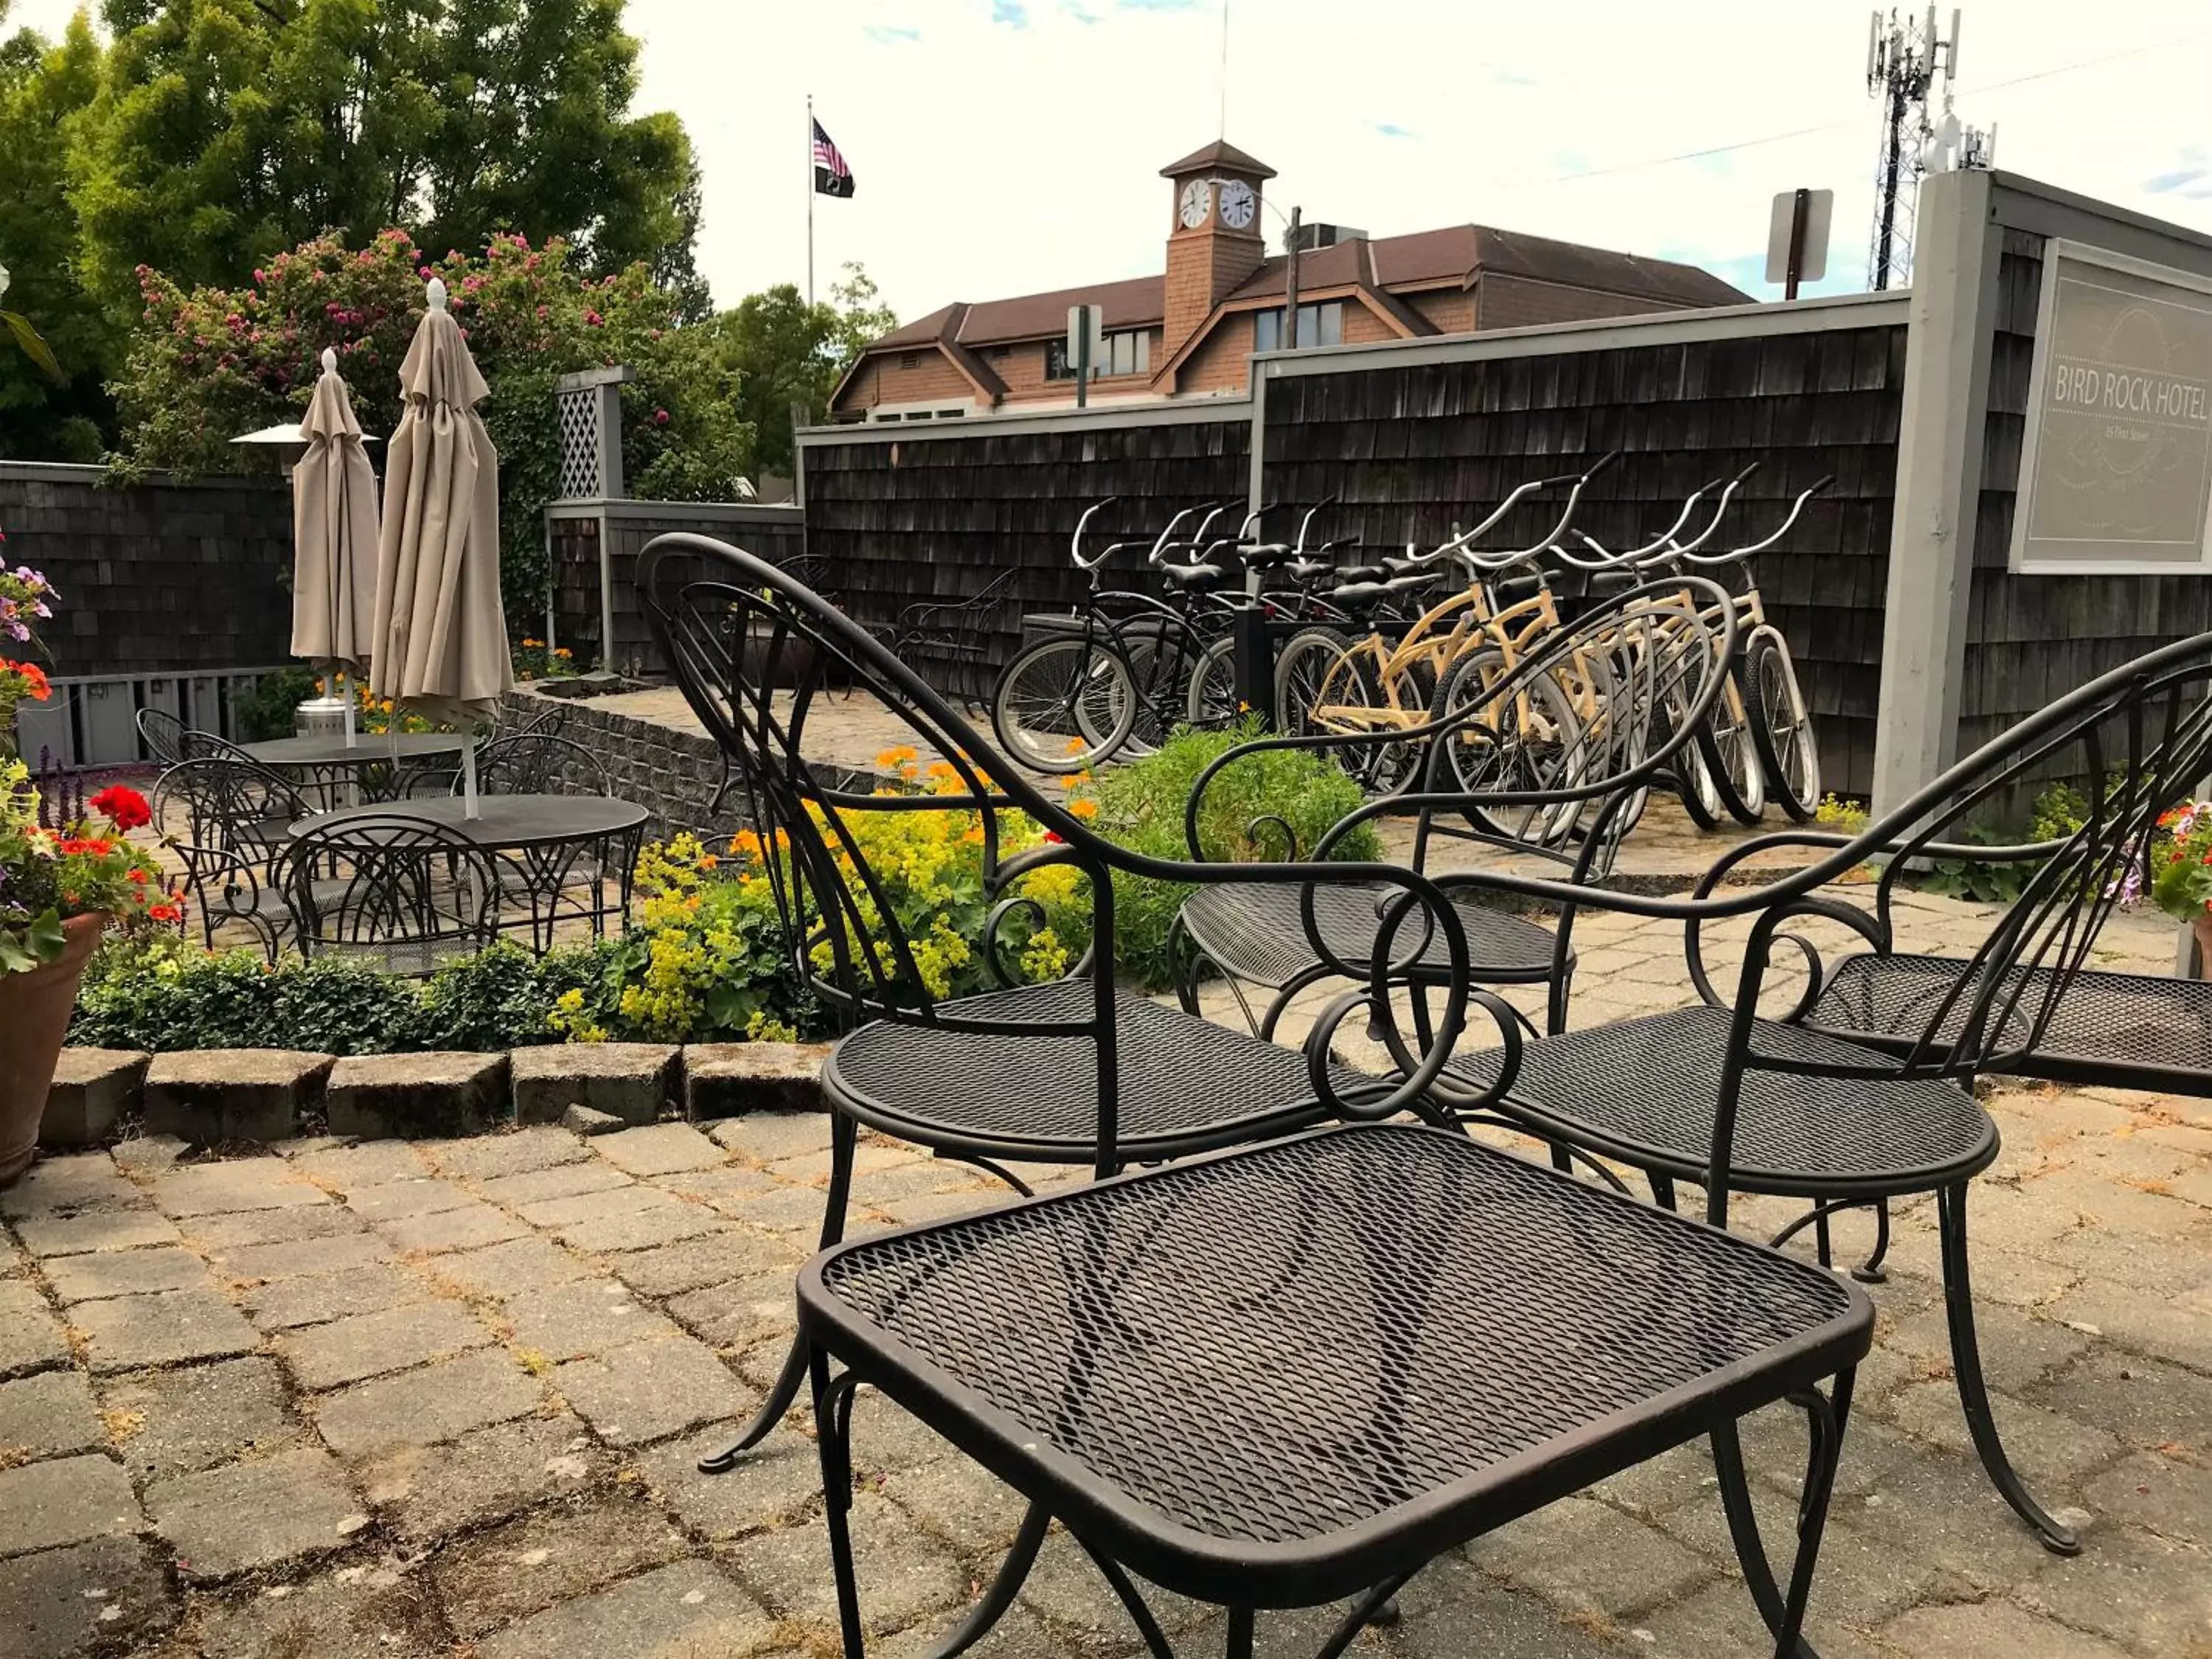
{"points": [[1197, 201], [1238, 204]]}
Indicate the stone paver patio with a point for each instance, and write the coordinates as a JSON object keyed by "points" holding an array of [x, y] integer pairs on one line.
{"points": [[283, 1405]]}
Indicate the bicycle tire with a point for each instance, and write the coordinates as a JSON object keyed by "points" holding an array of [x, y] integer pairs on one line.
{"points": [[1545, 760], [1694, 779], [1724, 744], [1211, 701], [1063, 705], [1789, 748]]}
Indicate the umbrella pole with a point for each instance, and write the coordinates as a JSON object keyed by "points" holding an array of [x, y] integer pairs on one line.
{"points": [[345, 696], [469, 808]]}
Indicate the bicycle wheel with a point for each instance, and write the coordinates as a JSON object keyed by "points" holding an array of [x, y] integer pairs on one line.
{"points": [[1156, 662], [1063, 705], [1211, 702], [1731, 758], [1781, 728], [1534, 740], [1694, 779]]}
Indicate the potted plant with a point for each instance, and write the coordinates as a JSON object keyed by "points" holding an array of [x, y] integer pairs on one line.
{"points": [[2180, 874]]}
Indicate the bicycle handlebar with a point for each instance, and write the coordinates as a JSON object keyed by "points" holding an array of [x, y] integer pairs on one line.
{"points": [[1735, 554], [1478, 562]]}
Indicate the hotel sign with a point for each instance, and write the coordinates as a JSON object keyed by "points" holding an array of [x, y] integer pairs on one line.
{"points": [[2116, 475]]}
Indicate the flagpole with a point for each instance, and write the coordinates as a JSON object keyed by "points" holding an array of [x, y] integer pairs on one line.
{"points": [[810, 201]]}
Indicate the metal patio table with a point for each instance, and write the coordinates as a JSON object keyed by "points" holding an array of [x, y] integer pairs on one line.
{"points": [[1283, 1376], [544, 842], [329, 763]]}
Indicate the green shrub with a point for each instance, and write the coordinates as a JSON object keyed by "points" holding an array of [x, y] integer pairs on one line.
{"points": [[1141, 806], [265, 712]]}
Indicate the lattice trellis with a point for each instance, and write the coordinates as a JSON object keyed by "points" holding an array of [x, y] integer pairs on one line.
{"points": [[577, 414]]}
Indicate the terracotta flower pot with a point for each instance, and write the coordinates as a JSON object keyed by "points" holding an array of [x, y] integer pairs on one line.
{"points": [[34, 1017], [2202, 927]]}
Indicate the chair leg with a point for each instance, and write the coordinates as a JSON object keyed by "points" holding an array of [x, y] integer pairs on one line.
{"points": [[1973, 1391], [1784, 1615], [1870, 1272], [833, 1422], [844, 1136], [1239, 1645], [999, 1594]]}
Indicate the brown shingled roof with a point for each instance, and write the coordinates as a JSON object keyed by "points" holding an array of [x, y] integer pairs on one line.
{"points": [[1219, 153]]}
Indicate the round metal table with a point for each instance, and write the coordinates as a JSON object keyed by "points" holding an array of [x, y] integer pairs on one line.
{"points": [[556, 847], [330, 748]]}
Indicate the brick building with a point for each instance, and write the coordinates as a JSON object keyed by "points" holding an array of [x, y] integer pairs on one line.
{"points": [[1191, 331]]}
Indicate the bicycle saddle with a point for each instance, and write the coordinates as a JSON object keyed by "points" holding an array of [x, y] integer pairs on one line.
{"points": [[1265, 557], [1511, 590], [1406, 567], [1197, 577], [1361, 572], [1306, 570]]}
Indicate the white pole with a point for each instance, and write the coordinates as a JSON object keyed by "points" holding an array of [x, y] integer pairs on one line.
{"points": [[345, 696], [470, 809]]}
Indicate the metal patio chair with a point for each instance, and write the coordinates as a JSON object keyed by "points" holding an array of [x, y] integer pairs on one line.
{"points": [[1801, 1104], [1627, 662], [948, 641], [1070, 1071], [163, 734], [406, 896], [228, 819]]}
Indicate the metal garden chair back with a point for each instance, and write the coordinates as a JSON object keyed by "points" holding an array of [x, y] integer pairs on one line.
{"points": [[535, 762], [404, 894], [227, 818], [163, 734]]}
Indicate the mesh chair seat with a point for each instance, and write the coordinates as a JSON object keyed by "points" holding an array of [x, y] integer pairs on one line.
{"points": [[1285, 1374], [1256, 931], [2126, 1030], [1187, 1085], [1644, 1090]]}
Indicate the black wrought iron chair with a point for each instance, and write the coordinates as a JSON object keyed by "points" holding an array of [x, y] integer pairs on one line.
{"points": [[163, 736], [948, 641], [1803, 1104], [393, 891], [228, 819], [1546, 766]]}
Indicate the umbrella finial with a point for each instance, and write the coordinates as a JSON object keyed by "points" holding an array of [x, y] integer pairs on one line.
{"points": [[330, 360], [437, 294]]}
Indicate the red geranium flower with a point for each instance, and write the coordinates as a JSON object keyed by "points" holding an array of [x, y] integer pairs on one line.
{"points": [[124, 808]]}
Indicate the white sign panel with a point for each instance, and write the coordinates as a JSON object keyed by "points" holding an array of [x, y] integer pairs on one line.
{"points": [[2116, 474]]}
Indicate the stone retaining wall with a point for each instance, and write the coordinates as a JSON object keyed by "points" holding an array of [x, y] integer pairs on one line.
{"points": [[672, 774], [213, 1095]]}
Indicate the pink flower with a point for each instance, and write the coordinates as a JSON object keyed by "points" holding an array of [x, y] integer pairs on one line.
{"points": [[594, 319], [661, 418], [259, 276]]}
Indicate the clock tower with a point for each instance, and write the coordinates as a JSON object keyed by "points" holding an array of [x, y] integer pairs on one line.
{"points": [[1215, 240]]}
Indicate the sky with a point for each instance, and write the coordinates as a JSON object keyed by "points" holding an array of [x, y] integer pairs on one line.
{"points": [[1005, 147]]}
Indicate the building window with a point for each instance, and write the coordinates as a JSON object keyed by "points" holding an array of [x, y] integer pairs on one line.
{"points": [[1127, 352], [1318, 326]]}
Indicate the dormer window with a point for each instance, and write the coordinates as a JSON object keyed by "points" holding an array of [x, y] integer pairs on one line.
{"points": [[1127, 352], [1318, 326]]}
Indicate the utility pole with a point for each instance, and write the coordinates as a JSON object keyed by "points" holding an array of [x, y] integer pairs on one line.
{"points": [[1903, 56], [1290, 285]]}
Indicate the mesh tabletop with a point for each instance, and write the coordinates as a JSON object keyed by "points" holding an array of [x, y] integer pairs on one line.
{"points": [[503, 821], [2120, 1028], [1270, 1375], [1256, 930], [367, 748], [1644, 1089], [1185, 1082]]}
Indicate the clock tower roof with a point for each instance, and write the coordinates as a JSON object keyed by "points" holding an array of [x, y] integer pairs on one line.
{"points": [[1219, 153]]}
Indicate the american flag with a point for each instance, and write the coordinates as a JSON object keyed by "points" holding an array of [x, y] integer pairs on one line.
{"points": [[831, 176]]}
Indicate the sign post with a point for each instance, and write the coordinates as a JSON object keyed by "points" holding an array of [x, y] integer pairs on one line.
{"points": [[1797, 238], [1086, 340]]}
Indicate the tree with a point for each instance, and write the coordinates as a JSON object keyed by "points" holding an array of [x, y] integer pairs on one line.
{"points": [[227, 129], [789, 352], [42, 86]]}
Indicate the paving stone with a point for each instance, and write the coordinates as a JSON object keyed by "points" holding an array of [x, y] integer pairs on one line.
{"points": [[742, 1311], [792, 1211], [556, 1555], [216, 1235], [371, 1344], [442, 1094], [47, 1415], [145, 1154], [2163, 1494], [423, 1194], [903, 1575], [252, 1183], [428, 1493], [648, 1390], [52, 1186], [601, 1201], [2143, 1592], [124, 1272], [65, 1500], [1973, 1631], [214, 1095], [93, 1090], [452, 1229], [774, 1484], [629, 1081], [95, 1230], [954, 1498], [30, 1338], [1722, 1622], [585, 1316], [431, 1403], [641, 1230], [1019, 1635], [2147, 1403], [376, 1610], [317, 1298], [129, 1331], [175, 1422], [506, 1270], [659, 1148], [722, 1187], [99, 1595], [2041, 1444], [364, 1163], [725, 1080], [2168, 1327], [1940, 1510], [301, 1257], [713, 1258], [263, 1513], [1586, 1557], [562, 1181], [481, 1157], [685, 1608], [587, 1120], [2016, 1349]]}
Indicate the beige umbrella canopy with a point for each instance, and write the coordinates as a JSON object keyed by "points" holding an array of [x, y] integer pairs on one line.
{"points": [[333, 531], [440, 642]]}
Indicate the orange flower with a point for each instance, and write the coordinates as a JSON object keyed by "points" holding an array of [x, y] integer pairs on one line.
{"points": [[36, 685], [941, 769], [1085, 810], [899, 758]]}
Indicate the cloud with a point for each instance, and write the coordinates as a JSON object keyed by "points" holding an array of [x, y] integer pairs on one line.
{"points": [[1076, 9], [2191, 180], [1392, 130], [1012, 13], [884, 35], [1156, 5], [1500, 75]]}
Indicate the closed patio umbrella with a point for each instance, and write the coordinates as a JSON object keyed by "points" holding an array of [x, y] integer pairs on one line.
{"points": [[334, 536], [440, 645]]}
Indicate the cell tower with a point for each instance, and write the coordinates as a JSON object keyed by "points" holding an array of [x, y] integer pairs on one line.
{"points": [[1903, 57]]}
